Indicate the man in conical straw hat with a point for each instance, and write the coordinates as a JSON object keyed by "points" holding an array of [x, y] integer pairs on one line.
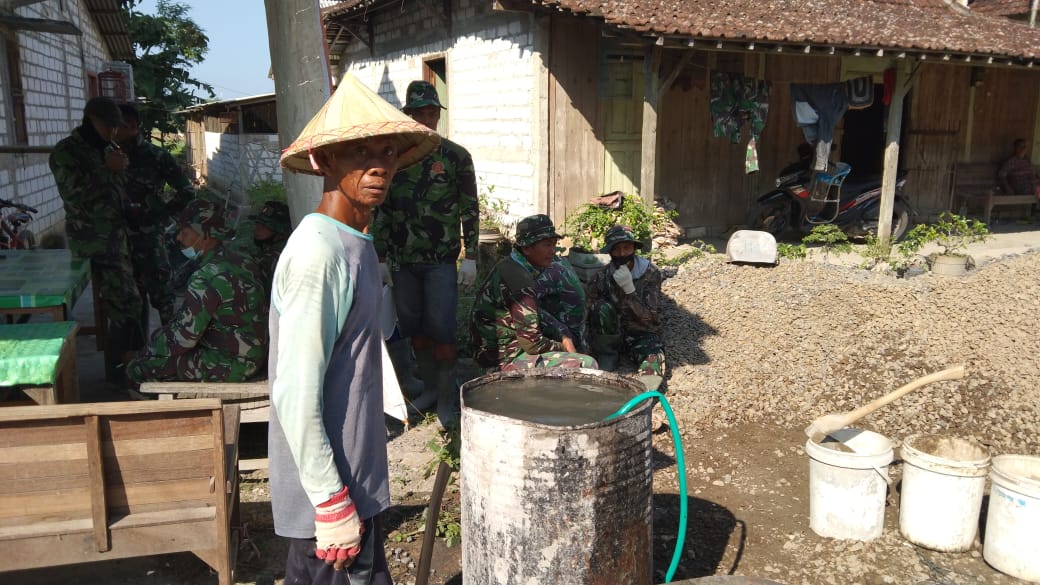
{"points": [[327, 439]]}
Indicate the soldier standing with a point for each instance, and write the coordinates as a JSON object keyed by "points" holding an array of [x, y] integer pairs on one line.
{"points": [[271, 229], [220, 332], [431, 207], [506, 325], [88, 170], [625, 307], [148, 211]]}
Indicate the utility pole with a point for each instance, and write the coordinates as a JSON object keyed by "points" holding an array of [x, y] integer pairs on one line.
{"points": [[301, 80]]}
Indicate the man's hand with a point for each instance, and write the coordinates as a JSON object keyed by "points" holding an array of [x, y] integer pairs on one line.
{"points": [[337, 529], [568, 345], [623, 277], [468, 272], [116, 160], [384, 273]]}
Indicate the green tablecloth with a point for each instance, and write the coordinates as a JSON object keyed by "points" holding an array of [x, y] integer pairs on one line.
{"points": [[29, 352], [41, 278]]}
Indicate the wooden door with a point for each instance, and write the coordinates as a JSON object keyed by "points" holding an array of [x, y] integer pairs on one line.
{"points": [[622, 126]]}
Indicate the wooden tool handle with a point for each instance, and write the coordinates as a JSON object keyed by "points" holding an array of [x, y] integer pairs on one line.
{"points": [[954, 373]]}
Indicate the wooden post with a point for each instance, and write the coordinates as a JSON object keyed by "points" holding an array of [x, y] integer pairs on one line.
{"points": [[301, 78], [888, 179], [654, 88], [648, 145]]}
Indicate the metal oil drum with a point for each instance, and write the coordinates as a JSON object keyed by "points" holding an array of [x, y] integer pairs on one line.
{"points": [[547, 499]]}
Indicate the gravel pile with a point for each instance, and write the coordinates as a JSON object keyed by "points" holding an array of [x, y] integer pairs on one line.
{"points": [[786, 344]]}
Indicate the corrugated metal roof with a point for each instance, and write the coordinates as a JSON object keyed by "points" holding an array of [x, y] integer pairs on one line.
{"points": [[253, 99], [109, 19]]}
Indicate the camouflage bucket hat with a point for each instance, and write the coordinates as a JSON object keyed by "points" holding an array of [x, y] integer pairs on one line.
{"points": [[535, 228], [275, 215], [421, 94], [618, 234], [355, 112], [206, 218]]}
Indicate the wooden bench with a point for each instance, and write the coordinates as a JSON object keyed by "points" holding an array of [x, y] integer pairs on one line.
{"points": [[40, 360], [252, 398], [976, 184], [105, 481]]}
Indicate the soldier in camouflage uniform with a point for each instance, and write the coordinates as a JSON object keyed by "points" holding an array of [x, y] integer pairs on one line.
{"points": [[220, 332], [561, 304], [88, 170], [271, 228], [148, 211], [624, 306], [506, 325], [430, 208]]}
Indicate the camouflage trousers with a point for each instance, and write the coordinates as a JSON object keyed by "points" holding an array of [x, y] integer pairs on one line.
{"points": [[645, 349], [552, 359], [113, 278], [152, 272], [199, 365]]}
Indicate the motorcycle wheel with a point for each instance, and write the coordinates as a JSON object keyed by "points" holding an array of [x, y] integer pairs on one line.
{"points": [[900, 221], [773, 216]]}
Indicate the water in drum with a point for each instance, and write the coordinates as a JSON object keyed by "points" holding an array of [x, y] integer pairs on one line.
{"points": [[560, 402]]}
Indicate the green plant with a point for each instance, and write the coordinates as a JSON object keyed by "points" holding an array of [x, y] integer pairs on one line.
{"points": [[790, 251], [698, 249], [587, 224], [445, 446], [876, 252], [492, 211], [264, 191], [831, 239], [952, 232]]}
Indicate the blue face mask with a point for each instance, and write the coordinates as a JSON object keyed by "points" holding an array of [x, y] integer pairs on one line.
{"points": [[189, 252]]}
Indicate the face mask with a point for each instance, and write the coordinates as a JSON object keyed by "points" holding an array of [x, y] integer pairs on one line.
{"points": [[189, 252], [620, 261]]}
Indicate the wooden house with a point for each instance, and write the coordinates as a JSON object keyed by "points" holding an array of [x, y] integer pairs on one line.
{"points": [[563, 100]]}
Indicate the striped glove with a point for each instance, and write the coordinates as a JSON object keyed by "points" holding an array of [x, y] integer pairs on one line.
{"points": [[337, 529]]}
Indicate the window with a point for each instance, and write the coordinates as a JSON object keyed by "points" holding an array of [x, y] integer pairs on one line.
{"points": [[15, 93]]}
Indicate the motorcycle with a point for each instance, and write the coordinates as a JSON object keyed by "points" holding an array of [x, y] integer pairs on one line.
{"points": [[804, 199], [13, 219]]}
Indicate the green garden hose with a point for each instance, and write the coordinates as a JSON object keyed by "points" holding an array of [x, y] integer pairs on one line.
{"points": [[680, 463]]}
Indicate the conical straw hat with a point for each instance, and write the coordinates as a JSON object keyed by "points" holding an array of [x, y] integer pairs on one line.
{"points": [[352, 113]]}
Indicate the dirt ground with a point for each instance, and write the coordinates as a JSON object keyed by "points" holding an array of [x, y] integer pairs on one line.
{"points": [[755, 354]]}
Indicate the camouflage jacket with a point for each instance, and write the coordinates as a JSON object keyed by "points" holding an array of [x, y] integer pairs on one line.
{"points": [[224, 310], [505, 319], [146, 206], [430, 208], [91, 193], [640, 311], [561, 303], [266, 255]]}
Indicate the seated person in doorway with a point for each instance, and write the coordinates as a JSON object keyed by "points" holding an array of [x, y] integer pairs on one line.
{"points": [[624, 307], [561, 304], [1018, 176], [220, 332], [271, 228], [505, 327]]}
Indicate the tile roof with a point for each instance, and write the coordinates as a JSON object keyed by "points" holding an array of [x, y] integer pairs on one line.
{"points": [[1000, 7], [921, 25]]}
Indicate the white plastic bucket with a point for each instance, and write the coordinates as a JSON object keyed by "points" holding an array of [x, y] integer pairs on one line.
{"points": [[1012, 539], [847, 489], [943, 482]]}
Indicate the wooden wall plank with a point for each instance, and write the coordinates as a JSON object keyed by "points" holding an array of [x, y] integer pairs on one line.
{"points": [[26, 434], [184, 490], [133, 408], [575, 152], [156, 446], [98, 506], [156, 426]]}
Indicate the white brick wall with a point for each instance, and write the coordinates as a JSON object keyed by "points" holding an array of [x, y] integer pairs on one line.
{"points": [[54, 81], [492, 79], [239, 162]]}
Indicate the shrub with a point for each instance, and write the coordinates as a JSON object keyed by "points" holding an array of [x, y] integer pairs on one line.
{"points": [[830, 237], [587, 225]]}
